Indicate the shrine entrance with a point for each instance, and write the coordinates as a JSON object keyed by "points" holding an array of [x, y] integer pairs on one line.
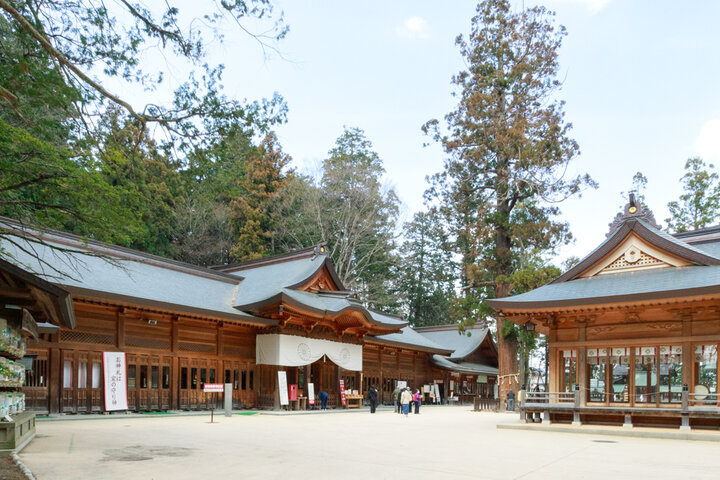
{"points": [[149, 382]]}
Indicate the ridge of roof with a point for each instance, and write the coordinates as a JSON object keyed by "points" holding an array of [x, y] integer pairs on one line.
{"points": [[440, 328], [44, 235], [314, 250]]}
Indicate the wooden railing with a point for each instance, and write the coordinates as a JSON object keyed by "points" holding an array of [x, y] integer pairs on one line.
{"points": [[485, 404], [530, 398], [693, 404]]}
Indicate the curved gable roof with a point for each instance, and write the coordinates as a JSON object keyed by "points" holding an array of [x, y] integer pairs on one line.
{"points": [[279, 279], [650, 234]]}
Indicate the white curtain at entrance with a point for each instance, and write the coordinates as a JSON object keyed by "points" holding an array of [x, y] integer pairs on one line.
{"points": [[292, 351]]}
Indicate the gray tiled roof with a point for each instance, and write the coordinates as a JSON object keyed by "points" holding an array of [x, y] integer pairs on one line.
{"points": [[711, 248], [139, 279], [464, 367], [409, 337], [461, 344], [654, 283], [266, 281]]}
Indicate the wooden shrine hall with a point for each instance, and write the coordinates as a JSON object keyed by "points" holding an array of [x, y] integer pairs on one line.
{"points": [[181, 326], [633, 329]]}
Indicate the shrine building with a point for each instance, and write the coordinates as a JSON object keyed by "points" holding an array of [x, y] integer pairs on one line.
{"points": [[181, 326], [633, 329]]}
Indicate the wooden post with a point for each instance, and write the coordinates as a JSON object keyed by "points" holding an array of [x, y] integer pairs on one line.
{"points": [[685, 418], [576, 411], [55, 382], [120, 329], [628, 421], [582, 371]]}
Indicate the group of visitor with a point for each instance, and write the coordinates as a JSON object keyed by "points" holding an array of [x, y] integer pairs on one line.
{"points": [[405, 399]]}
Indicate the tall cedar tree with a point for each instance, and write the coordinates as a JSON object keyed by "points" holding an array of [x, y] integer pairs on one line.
{"points": [[699, 206], [254, 213], [508, 148]]}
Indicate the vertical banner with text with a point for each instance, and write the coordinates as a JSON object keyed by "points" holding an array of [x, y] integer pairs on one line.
{"points": [[342, 392], [115, 381], [311, 393], [283, 388]]}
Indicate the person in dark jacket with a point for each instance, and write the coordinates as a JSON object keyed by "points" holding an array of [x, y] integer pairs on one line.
{"points": [[372, 398], [323, 396], [398, 403]]}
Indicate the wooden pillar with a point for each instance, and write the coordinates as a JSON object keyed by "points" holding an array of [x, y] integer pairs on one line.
{"points": [[120, 316], [175, 367], [688, 356], [220, 341], [382, 376], [553, 370], [55, 380], [174, 335], [582, 370]]}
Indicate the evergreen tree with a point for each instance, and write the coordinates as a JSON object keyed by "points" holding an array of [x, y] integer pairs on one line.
{"points": [[507, 149], [254, 213], [699, 206], [426, 272], [354, 212]]}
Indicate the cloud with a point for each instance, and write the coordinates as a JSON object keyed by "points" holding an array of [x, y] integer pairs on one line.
{"points": [[594, 6], [412, 28], [708, 141]]}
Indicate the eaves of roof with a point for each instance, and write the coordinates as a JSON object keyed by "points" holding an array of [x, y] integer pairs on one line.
{"points": [[240, 317], [60, 298], [629, 287], [467, 368]]}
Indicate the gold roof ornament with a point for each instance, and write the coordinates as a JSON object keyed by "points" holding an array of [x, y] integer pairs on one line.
{"points": [[633, 209]]}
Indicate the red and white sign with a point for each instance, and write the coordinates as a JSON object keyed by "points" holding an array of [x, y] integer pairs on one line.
{"points": [[214, 387], [342, 392], [115, 374], [293, 392], [311, 393]]}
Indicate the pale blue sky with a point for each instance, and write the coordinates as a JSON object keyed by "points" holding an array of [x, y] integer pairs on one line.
{"points": [[641, 81]]}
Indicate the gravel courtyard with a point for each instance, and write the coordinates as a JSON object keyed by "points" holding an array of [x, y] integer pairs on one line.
{"points": [[440, 443]]}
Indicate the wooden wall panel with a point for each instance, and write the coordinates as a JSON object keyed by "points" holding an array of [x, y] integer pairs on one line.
{"points": [[567, 334]]}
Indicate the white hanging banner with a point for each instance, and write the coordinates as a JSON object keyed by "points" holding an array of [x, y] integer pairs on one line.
{"points": [[282, 388], [115, 381], [293, 351]]}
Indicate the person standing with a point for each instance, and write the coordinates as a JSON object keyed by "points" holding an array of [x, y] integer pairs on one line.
{"points": [[405, 399], [372, 398], [398, 403], [417, 398]]}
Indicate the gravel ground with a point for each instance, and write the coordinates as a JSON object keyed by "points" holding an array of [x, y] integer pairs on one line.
{"points": [[443, 442], [9, 469]]}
